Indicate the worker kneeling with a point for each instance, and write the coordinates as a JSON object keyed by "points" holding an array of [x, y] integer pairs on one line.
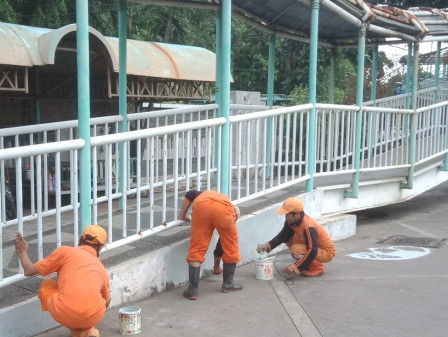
{"points": [[309, 243], [80, 297]]}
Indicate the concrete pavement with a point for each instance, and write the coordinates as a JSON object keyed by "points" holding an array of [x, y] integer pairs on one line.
{"points": [[397, 288]]}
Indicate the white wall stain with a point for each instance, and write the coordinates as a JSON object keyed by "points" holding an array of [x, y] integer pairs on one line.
{"points": [[392, 253]]}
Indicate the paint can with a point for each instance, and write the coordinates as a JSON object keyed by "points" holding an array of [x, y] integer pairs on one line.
{"points": [[264, 268], [130, 320]]}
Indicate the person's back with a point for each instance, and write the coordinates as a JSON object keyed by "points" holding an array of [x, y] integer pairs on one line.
{"points": [[81, 295], [81, 284]]}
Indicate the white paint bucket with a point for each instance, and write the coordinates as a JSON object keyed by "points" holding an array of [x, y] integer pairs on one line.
{"points": [[264, 268], [130, 320]]}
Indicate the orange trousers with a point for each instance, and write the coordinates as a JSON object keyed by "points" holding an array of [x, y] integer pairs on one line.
{"points": [[298, 247], [213, 210], [47, 289]]}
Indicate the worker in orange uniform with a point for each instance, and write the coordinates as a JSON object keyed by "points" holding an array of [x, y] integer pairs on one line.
{"points": [[211, 210], [80, 297], [309, 243]]}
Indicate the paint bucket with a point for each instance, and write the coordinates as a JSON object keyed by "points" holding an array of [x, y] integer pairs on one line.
{"points": [[130, 320], [264, 268]]}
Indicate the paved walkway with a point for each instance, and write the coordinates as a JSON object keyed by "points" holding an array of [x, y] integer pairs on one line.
{"points": [[370, 289]]}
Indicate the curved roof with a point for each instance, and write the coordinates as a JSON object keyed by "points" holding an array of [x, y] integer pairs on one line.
{"points": [[167, 60], [32, 46]]}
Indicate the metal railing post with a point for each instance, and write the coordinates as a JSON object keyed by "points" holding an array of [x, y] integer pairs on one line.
{"points": [[218, 85], [83, 64], [122, 94], [225, 170], [359, 100], [270, 101], [413, 126], [311, 130]]}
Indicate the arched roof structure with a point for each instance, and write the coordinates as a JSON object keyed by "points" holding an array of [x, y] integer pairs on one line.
{"points": [[26, 46]]}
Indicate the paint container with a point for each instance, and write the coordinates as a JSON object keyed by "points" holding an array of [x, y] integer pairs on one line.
{"points": [[130, 320], [264, 268]]}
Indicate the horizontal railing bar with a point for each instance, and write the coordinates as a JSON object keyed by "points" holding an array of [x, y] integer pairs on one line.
{"points": [[172, 112], [27, 129], [38, 149], [159, 131]]}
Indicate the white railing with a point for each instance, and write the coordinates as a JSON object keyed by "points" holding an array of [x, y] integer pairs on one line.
{"points": [[431, 130], [268, 151], [384, 135]]}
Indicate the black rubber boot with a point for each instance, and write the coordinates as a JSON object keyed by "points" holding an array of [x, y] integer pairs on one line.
{"points": [[192, 291], [228, 285]]}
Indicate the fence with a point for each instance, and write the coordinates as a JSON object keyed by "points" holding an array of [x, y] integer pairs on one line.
{"points": [[269, 149]]}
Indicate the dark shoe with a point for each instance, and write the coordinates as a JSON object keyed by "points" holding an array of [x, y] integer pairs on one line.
{"points": [[192, 291], [228, 285], [190, 297]]}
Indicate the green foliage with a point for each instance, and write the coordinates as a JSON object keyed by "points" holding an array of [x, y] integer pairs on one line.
{"points": [[299, 95], [7, 12], [250, 49]]}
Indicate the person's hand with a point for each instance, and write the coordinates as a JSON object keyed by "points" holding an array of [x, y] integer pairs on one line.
{"points": [[237, 212], [288, 269], [21, 245], [265, 247], [184, 218]]}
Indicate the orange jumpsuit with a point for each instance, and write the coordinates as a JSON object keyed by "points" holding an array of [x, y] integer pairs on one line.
{"points": [[78, 299], [306, 238], [212, 210]]}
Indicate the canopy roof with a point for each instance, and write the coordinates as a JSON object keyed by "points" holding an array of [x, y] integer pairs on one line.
{"points": [[32, 46], [339, 20]]}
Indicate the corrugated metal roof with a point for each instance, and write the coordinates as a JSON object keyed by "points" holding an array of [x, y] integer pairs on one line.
{"points": [[31, 46], [167, 60], [339, 20]]}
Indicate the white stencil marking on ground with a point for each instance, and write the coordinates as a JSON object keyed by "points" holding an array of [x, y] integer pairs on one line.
{"points": [[392, 253]]}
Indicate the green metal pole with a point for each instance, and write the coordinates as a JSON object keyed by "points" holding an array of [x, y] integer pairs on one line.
{"points": [[271, 70], [83, 64], [314, 40], [122, 87], [218, 85], [444, 167], [373, 94], [374, 74], [359, 100], [408, 75], [437, 72], [218, 58], [270, 101], [413, 131], [332, 75], [408, 90], [225, 95], [37, 103], [37, 116]]}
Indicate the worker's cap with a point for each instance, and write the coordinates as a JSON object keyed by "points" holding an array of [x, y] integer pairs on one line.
{"points": [[95, 234], [291, 205]]}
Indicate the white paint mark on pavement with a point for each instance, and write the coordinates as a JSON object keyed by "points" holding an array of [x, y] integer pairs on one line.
{"points": [[392, 253]]}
